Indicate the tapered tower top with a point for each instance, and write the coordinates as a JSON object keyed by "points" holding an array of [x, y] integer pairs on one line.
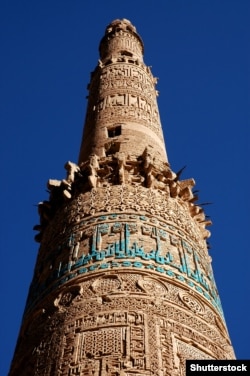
{"points": [[121, 38], [122, 114]]}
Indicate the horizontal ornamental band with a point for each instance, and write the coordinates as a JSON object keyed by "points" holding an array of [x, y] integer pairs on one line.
{"points": [[103, 244]]}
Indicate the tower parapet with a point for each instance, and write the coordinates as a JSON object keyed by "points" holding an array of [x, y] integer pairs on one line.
{"points": [[123, 283]]}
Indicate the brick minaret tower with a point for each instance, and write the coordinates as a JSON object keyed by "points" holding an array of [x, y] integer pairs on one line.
{"points": [[123, 283]]}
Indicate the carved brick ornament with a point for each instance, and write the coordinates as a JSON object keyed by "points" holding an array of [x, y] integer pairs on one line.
{"points": [[123, 283]]}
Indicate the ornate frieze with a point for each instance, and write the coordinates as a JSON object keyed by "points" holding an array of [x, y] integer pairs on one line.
{"points": [[138, 322], [125, 240]]}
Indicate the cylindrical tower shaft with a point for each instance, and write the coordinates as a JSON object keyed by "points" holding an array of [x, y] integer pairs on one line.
{"points": [[122, 114], [123, 283]]}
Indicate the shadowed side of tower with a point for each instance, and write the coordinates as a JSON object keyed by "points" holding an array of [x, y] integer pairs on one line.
{"points": [[123, 283]]}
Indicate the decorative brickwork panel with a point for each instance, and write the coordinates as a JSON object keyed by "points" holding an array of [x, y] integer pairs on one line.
{"points": [[186, 351]]}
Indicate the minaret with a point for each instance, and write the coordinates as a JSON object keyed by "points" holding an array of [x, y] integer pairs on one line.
{"points": [[123, 283]]}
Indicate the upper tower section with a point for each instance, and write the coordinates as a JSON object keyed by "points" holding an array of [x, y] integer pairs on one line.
{"points": [[122, 114], [121, 39]]}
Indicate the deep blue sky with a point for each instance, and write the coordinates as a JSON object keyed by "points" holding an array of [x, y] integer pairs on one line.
{"points": [[200, 51]]}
